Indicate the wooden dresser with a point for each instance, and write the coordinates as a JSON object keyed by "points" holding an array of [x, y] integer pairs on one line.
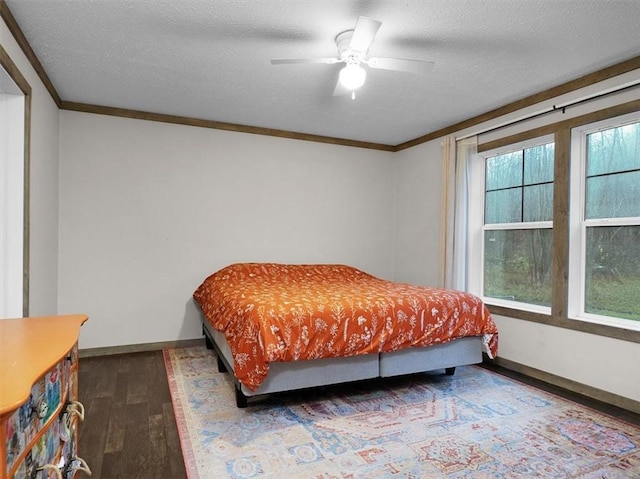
{"points": [[39, 408]]}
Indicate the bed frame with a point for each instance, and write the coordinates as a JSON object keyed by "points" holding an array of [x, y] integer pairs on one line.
{"points": [[288, 376]]}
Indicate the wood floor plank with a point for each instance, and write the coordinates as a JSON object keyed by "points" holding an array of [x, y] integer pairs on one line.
{"points": [[93, 436], [157, 385], [137, 383], [104, 383], [172, 441], [111, 467], [135, 452], [125, 363], [115, 432], [122, 386], [157, 445], [137, 391]]}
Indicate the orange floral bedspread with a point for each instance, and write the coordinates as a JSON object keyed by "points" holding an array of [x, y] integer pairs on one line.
{"points": [[276, 312]]}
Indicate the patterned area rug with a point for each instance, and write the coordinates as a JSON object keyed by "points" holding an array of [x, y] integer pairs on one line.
{"points": [[475, 424]]}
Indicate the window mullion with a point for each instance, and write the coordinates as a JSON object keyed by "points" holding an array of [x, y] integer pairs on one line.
{"points": [[561, 226]]}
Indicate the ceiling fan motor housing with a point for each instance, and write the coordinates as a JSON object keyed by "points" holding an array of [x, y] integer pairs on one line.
{"points": [[347, 54]]}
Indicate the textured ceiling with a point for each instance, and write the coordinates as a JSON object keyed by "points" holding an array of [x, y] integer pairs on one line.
{"points": [[211, 59]]}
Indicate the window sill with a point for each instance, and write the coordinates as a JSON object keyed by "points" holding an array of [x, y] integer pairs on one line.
{"points": [[564, 322]]}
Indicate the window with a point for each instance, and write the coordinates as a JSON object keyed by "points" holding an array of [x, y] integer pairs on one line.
{"points": [[516, 223], [553, 223], [605, 223]]}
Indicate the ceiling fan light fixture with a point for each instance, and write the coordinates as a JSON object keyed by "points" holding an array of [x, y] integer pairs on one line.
{"points": [[352, 76]]}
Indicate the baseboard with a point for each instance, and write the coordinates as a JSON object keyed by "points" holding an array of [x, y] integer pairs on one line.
{"points": [[568, 384], [139, 348]]}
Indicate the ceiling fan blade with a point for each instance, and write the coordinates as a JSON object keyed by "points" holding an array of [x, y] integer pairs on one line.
{"points": [[363, 33], [411, 66], [285, 61]]}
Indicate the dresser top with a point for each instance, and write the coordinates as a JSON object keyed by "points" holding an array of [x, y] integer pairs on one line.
{"points": [[29, 347]]}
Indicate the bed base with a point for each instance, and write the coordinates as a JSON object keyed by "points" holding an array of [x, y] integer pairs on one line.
{"points": [[225, 367], [287, 376]]}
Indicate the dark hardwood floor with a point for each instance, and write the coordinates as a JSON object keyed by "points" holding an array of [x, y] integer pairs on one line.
{"points": [[130, 429]]}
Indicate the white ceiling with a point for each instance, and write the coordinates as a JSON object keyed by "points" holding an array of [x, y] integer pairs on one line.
{"points": [[211, 59]]}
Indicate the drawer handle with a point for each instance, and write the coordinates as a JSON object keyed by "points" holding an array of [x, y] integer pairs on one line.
{"points": [[75, 465], [73, 407], [41, 408], [51, 467], [76, 407]]}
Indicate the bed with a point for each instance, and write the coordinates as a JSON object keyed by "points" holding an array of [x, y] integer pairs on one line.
{"points": [[280, 327]]}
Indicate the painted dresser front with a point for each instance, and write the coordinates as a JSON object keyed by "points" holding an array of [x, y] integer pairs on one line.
{"points": [[39, 407]]}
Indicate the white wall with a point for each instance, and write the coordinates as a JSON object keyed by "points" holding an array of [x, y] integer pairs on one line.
{"points": [[12, 111], [418, 214], [604, 363], [147, 210], [43, 251]]}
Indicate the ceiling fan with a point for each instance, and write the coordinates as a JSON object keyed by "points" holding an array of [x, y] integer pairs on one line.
{"points": [[353, 46]]}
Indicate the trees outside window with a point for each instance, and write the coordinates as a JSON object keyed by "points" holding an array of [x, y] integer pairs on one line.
{"points": [[605, 229], [517, 226]]}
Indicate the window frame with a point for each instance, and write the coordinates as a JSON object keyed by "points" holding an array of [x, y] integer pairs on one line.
{"points": [[477, 226], [578, 224]]}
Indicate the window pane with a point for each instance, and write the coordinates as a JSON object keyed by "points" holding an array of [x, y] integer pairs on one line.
{"points": [[538, 164], [613, 271], [613, 196], [517, 265], [503, 206], [616, 149], [538, 203], [504, 171]]}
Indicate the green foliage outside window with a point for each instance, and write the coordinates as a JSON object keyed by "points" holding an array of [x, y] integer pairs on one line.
{"points": [[517, 261], [517, 265], [612, 280]]}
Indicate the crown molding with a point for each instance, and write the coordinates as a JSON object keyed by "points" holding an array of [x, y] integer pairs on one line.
{"points": [[217, 125], [567, 87]]}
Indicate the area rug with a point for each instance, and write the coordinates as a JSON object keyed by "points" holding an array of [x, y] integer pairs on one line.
{"points": [[474, 424]]}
